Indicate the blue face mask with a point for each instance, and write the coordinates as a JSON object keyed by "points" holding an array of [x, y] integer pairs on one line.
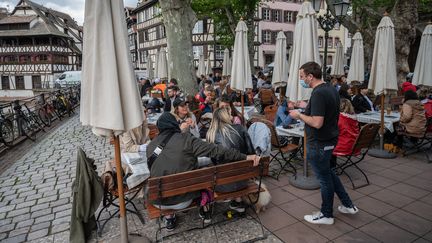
{"points": [[304, 84]]}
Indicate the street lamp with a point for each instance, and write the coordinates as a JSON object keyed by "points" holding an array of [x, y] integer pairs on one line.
{"points": [[327, 22]]}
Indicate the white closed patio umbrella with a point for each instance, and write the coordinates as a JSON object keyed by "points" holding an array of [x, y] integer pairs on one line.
{"points": [[241, 76], [305, 49], [356, 71], [162, 65], [156, 70], [338, 61], [110, 101], [149, 67], [226, 70], [423, 67], [280, 69], [208, 65], [201, 66], [383, 78]]}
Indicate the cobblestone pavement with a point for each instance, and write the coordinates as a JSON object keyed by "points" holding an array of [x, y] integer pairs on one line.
{"points": [[35, 195]]}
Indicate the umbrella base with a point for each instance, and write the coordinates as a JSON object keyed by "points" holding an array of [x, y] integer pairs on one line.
{"points": [[304, 182], [132, 238], [381, 153]]}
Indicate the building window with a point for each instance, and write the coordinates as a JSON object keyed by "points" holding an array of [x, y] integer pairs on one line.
{"points": [[266, 14], [320, 41], [330, 42], [198, 28], [19, 82], [289, 38], [25, 58], [288, 16], [329, 60], [268, 58], [41, 58], [266, 36], [276, 15], [36, 82], [5, 82], [219, 52], [273, 37], [336, 41]]}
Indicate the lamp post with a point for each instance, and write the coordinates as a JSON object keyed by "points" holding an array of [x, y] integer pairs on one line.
{"points": [[327, 22]]}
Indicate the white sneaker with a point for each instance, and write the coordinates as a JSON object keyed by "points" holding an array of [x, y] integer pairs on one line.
{"points": [[346, 210], [318, 218]]}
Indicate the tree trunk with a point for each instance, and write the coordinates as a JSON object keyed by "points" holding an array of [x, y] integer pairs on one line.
{"points": [[405, 17], [179, 20]]}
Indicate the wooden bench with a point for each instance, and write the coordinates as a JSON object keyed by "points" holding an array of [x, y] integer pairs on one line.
{"points": [[204, 178]]}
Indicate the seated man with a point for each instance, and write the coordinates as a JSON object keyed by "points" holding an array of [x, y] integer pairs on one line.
{"points": [[179, 155], [361, 101], [172, 94]]}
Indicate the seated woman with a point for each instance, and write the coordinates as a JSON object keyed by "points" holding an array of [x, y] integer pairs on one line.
{"points": [[348, 128], [412, 118], [136, 139], [361, 102], [223, 132], [179, 155], [185, 118], [225, 102], [345, 91]]}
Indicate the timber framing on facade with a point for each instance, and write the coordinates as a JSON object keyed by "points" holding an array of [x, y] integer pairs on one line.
{"points": [[36, 45]]}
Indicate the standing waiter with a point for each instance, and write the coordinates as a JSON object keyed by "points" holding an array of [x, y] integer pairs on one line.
{"points": [[321, 126]]}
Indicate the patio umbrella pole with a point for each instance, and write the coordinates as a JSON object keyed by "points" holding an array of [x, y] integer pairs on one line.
{"points": [[380, 152], [304, 181], [123, 224]]}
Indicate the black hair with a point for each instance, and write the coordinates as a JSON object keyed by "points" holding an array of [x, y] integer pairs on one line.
{"points": [[312, 68], [410, 95]]}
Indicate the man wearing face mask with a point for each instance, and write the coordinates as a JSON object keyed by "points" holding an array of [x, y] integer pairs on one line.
{"points": [[321, 127]]}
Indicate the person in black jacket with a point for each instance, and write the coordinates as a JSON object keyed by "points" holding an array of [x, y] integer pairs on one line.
{"points": [[229, 135], [172, 95], [361, 102], [179, 155]]}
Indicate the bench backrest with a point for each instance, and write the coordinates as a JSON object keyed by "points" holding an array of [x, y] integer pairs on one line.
{"points": [[205, 178]]}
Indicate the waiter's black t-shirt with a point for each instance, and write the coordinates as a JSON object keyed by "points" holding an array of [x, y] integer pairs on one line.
{"points": [[324, 101]]}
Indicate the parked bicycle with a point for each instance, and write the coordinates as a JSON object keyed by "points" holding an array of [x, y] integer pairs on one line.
{"points": [[46, 111], [6, 129], [26, 127]]}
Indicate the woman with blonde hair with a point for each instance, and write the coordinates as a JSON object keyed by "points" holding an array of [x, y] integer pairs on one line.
{"points": [[234, 136], [348, 128]]}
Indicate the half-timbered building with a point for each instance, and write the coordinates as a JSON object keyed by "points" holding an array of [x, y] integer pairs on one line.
{"points": [[37, 44]]}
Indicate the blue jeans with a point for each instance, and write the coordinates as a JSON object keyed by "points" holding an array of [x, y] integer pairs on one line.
{"points": [[329, 181]]}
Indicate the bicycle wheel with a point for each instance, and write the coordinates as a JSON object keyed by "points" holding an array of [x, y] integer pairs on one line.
{"points": [[7, 134], [36, 121], [27, 129], [44, 117]]}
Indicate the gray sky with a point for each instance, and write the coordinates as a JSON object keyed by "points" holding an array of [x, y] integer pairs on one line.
{"points": [[75, 8]]}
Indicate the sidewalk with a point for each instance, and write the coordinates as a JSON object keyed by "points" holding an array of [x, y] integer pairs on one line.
{"points": [[35, 202]]}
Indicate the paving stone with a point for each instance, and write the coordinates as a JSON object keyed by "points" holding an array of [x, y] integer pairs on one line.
{"points": [[6, 228], [25, 204], [20, 218], [17, 212], [59, 228], [41, 213], [62, 207], [63, 213], [24, 223], [15, 239], [5, 221], [59, 202], [5, 209], [39, 206], [48, 199], [61, 220], [36, 227], [2, 236], [48, 217], [19, 231], [37, 234]]}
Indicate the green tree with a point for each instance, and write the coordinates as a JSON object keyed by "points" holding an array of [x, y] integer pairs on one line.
{"points": [[405, 14], [225, 15]]}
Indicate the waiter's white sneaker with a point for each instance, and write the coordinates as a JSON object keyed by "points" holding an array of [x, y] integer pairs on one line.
{"points": [[318, 218], [346, 210]]}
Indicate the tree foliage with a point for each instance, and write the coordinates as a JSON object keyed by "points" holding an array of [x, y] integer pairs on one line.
{"points": [[225, 15]]}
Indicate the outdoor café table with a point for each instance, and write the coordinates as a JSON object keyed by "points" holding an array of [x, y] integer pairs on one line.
{"points": [[375, 117], [296, 131], [248, 111], [153, 117]]}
